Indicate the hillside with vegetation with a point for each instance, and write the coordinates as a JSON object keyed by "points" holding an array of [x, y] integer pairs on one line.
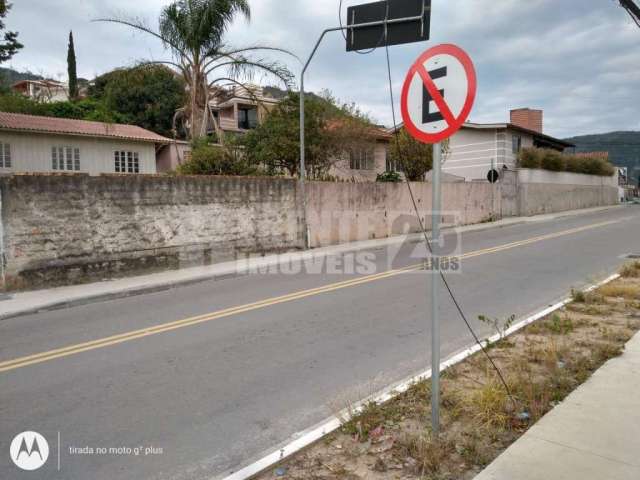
{"points": [[623, 148], [9, 76]]}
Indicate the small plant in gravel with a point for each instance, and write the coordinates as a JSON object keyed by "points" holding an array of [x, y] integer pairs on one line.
{"points": [[559, 325], [617, 290], [488, 405], [631, 270], [578, 296], [429, 454], [501, 329]]}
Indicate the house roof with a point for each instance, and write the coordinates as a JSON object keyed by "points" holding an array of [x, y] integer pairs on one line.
{"points": [[44, 82], [64, 126], [373, 131], [503, 126], [512, 126]]}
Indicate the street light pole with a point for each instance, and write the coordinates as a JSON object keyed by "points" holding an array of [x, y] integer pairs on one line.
{"points": [[385, 23]]}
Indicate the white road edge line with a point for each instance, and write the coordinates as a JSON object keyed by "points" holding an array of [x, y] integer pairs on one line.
{"points": [[307, 437]]}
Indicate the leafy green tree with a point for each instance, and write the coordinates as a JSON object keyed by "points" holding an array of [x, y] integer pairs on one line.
{"points": [[10, 46], [209, 159], [16, 103], [147, 96], [194, 31], [71, 69], [414, 157], [331, 131], [86, 109]]}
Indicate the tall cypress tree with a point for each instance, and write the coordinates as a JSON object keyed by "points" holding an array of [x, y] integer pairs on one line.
{"points": [[71, 68]]}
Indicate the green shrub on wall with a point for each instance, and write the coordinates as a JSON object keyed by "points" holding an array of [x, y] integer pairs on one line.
{"points": [[529, 158], [207, 159], [557, 162], [392, 177], [553, 161]]}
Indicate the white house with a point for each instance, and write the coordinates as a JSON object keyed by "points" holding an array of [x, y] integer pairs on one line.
{"points": [[42, 90], [478, 148], [44, 144]]}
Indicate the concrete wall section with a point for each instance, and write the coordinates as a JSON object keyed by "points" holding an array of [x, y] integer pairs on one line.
{"points": [[542, 191], [345, 212], [532, 175], [61, 229], [540, 198], [64, 229]]}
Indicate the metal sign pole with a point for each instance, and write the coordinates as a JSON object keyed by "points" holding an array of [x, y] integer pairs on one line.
{"points": [[435, 282]]}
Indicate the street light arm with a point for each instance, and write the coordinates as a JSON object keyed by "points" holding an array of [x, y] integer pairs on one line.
{"points": [[633, 9]]}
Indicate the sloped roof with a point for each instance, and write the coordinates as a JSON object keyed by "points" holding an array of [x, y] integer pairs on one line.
{"points": [[373, 131], [65, 126], [513, 126]]}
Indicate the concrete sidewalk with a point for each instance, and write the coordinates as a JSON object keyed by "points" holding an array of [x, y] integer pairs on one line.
{"points": [[593, 435], [21, 303]]}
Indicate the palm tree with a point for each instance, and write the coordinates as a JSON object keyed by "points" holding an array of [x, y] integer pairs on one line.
{"points": [[194, 30]]}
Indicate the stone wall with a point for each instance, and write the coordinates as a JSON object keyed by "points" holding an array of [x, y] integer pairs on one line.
{"points": [[61, 229], [74, 228], [345, 212]]}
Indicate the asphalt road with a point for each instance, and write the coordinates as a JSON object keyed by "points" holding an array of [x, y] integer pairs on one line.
{"points": [[213, 392]]}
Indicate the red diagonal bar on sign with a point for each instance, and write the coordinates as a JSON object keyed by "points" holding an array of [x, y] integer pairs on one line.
{"points": [[435, 95]]}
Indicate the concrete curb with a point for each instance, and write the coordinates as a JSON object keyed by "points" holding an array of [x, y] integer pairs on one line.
{"points": [[303, 439], [30, 302]]}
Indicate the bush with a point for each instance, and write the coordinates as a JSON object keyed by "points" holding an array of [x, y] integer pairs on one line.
{"points": [[573, 164], [393, 177], [557, 162], [552, 160], [597, 166], [529, 158], [414, 157], [209, 159]]}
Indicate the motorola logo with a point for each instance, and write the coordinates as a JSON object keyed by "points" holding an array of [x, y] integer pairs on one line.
{"points": [[29, 450]]}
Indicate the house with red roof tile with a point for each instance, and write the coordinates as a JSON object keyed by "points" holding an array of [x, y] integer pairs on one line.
{"points": [[31, 143]]}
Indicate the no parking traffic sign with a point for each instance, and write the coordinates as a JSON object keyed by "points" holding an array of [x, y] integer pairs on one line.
{"points": [[438, 93]]}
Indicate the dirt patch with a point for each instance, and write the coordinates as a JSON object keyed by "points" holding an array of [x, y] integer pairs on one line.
{"points": [[542, 364]]}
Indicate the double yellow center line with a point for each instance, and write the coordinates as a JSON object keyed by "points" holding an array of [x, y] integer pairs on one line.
{"points": [[187, 322]]}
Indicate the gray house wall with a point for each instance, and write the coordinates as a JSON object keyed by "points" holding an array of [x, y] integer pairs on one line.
{"points": [[473, 152]]}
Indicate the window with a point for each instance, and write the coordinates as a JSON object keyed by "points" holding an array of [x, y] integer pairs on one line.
{"points": [[393, 165], [361, 160], [5, 155], [127, 162], [247, 118], [65, 158], [516, 143]]}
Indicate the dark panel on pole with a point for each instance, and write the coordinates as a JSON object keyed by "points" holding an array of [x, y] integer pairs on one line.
{"points": [[362, 38]]}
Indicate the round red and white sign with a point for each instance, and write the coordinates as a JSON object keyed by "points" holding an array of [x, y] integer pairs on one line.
{"points": [[438, 93]]}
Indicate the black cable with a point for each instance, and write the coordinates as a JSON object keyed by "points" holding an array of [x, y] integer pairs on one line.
{"points": [[426, 238]]}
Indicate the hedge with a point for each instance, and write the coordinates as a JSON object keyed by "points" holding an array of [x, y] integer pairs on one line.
{"points": [[555, 161]]}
